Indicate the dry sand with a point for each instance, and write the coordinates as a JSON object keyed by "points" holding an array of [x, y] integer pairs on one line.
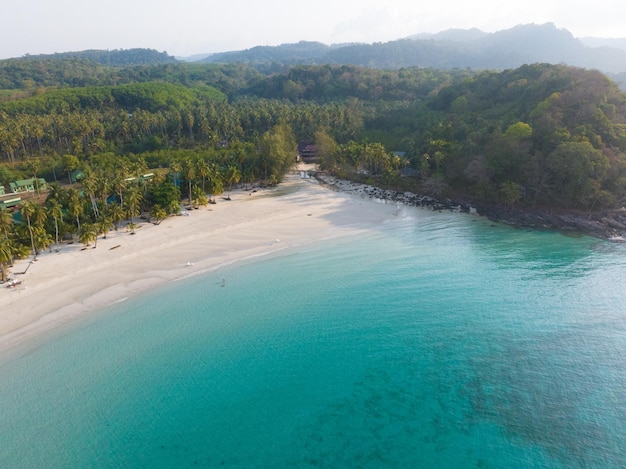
{"points": [[62, 285]]}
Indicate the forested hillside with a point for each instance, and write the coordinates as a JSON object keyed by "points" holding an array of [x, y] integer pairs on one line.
{"points": [[511, 48], [547, 135], [115, 57], [538, 135], [119, 141]]}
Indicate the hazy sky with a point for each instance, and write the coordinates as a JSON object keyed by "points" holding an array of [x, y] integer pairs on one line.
{"points": [[185, 27]]}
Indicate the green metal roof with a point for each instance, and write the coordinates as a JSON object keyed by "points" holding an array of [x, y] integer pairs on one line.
{"points": [[27, 183]]}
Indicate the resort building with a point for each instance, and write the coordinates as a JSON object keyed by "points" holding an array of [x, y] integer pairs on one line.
{"points": [[28, 185], [10, 204], [142, 179], [307, 150], [77, 175]]}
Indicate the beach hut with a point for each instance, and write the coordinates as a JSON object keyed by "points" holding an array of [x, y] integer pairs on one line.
{"points": [[11, 203], [28, 185], [307, 150], [77, 175]]}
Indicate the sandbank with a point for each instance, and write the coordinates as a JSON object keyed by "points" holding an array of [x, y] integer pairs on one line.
{"points": [[62, 285]]}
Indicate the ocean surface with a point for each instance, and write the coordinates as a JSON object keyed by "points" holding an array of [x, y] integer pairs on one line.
{"points": [[435, 340]]}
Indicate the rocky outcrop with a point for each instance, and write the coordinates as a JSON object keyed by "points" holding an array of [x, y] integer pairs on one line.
{"points": [[610, 224], [606, 224], [406, 198]]}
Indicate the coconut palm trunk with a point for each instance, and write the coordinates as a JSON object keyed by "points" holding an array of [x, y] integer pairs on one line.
{"points": [[6, 257], [28, 209]]}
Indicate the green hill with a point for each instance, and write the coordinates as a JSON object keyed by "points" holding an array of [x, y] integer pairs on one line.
{"points": [[536, 135]]}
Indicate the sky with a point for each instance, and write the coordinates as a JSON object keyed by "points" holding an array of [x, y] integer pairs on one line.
{"points": [[187, 27]]}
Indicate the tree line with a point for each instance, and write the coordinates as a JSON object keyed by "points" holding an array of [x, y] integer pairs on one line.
{"points": [[490, 135], [540, 135], [115, 190]]}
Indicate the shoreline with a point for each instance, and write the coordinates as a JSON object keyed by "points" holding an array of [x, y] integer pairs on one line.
{"points": [[607, 224], [63, 285], [75, 281]]}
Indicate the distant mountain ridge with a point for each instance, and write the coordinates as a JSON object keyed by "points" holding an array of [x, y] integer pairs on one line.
{"points": [[614, 43], [446, 50], [452, 35], [453, 48], [300, 53], [471, 48], [115, 57]]}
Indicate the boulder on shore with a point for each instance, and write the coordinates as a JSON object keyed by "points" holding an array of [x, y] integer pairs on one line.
{"points": [[608, 224]]}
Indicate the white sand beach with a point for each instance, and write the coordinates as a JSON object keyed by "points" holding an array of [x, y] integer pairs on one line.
{"points": [[62, 285]]}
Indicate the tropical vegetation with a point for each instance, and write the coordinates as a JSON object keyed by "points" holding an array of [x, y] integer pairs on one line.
{"points": [[122, 141]]}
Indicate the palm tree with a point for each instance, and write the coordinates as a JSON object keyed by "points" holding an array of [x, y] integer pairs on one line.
{"points": [[33, 165], [75, 206], [119, 182], [247, 177], [104, 225], [189, 172], [7, 226], [40, 216], [55, 210], [70, 163], [42, 238], [6, 256], [158, 213], [173, 207], [53, 162], [133, 199], [88, 233], [6, 222], [90, 184], [232, 176], [116, 212], [138, 167], [56, 192], [28, 210], [198, 197], [204, 170], [216, 183], [104, 184], [177, 169], [36, 216]]}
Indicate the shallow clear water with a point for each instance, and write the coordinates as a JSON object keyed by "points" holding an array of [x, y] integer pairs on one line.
{"points": [[437, 340]]}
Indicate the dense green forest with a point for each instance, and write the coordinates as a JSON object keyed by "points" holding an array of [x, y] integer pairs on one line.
{"points": [[115, 57], [547, 136], [472, 132]]}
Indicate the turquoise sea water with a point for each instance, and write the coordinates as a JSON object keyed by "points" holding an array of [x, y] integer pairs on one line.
{"points": [[436, 340]]}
